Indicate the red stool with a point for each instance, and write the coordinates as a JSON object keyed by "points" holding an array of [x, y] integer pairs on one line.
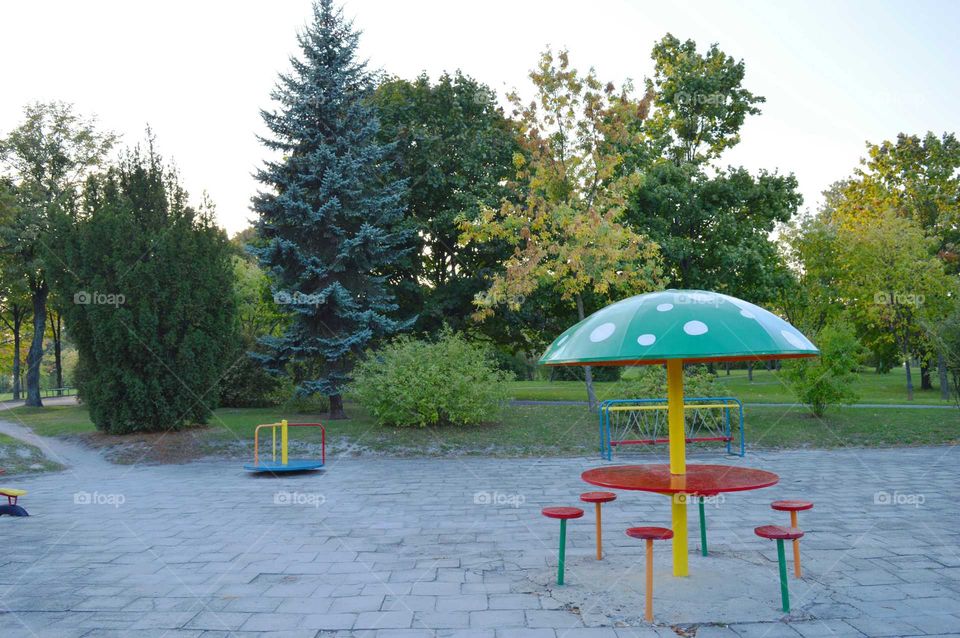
{"points": [[793, 507], [780, 534], [599, 498], [650, 534], [563, 513]]}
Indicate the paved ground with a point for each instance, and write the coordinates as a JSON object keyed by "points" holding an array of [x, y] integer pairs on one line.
{"points": [[436, 547]]}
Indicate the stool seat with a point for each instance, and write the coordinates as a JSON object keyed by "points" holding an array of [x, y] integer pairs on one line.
{"points": [[598, 497], [9, 491], [776, 532], [791, 506], [562, 512], [650, 533]]}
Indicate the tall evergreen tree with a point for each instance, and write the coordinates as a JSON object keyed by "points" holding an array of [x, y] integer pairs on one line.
{"points": [[329, 214]]}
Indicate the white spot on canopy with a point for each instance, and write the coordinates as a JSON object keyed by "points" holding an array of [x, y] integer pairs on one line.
{"points": [[602, 332], [795, 340], [694, 328]]}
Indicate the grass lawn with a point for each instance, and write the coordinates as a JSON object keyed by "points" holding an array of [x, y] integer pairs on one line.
{"points": [[522, 431], [17, 457], [766, 387]]}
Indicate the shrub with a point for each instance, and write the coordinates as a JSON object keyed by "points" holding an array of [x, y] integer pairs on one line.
{"points": [[651, 383], [828, 379], [412, 383], [247, 385], [154, 315]]}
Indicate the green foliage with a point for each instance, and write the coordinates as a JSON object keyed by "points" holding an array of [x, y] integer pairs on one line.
{"points": [[946, 335], [713, 223], [246, 383], [454, 148], [45, 160], [650, 382], [152, 312], [413, 383], [700, 100], [714, 226], [828, 379], [919, 177]]}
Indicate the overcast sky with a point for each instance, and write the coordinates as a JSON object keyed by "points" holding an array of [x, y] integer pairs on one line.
{"points": [[835, 74]]}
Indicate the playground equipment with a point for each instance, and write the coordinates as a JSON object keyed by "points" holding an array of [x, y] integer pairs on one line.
{"points": [[285, 464], [645, 422], [675, 327], [780, 534], [11, 508], [649, 534], [564, 514]]}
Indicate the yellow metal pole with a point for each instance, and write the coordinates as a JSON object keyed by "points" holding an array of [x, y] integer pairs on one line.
{"points": [[273, 431], [283, 441], [678, 462]]}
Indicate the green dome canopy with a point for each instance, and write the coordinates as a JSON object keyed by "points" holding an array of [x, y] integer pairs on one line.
{"points": [[693, 325]]}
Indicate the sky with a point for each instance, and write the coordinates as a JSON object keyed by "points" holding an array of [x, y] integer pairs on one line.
{"points": [[835, 74]]}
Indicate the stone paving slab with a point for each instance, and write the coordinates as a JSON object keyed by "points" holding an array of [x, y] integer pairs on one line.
{"points": [[457, 547]]}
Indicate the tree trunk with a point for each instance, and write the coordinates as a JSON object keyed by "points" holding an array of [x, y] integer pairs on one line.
{"points": [[726, 365], [926, 383], [750, 371], [336, 408], [944, 383], [18, 316], [38, 292], [587, 373], [56, 329], [909, 380]]}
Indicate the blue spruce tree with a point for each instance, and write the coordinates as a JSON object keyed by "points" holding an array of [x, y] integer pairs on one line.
{"points": [[329, 214]]}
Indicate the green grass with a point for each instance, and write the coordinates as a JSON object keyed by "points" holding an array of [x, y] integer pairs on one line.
{"points": [[766, 387], [522, 431], [17, 457]]}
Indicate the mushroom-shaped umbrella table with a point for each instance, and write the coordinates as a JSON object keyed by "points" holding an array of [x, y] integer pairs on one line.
{"points": [[674, 327]]}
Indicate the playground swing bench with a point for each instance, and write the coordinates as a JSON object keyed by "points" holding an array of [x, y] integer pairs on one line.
{"points": [[285, 463], [644, 422]]}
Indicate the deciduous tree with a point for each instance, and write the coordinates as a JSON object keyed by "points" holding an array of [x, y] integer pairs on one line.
{"points": [[566, 227], [47, 158]]}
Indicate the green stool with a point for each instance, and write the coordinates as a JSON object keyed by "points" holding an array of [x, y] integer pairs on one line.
{"points": [[563, 513], [780, 534]]}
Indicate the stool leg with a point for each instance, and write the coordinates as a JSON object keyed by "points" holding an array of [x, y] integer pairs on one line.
{"points": [[796, 546], [703, 529], [599, 535], [563, 547], [648, 614], [784, 593]]}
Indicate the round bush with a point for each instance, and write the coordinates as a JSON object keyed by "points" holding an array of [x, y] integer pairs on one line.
{"points": [[411, 383]]}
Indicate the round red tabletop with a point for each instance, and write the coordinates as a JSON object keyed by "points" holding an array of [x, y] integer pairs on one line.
{"points": [[700, 480]]}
